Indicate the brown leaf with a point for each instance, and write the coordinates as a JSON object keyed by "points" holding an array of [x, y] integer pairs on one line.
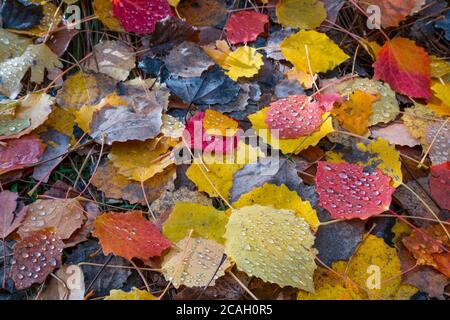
{"points": [[8, 221], [20, 153]]}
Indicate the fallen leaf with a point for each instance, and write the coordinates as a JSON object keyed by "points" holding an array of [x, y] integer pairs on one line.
{"points": [[395, 133], [347, 191], [64, 216], [21, 16], [205, 221], [243, 62], [273, 245], [202, 13], [12, 45], [440, 183], [188, 60], [437, 140], [245, 26], [20, 153], [35, 257], [194, 262], [405, 67], [8, 220], [303, 14], [323, 54], [129, 235], [103, 9], [134, 294], [417, 119], [68, 286]]}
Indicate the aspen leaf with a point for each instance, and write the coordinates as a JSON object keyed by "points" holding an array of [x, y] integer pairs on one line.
{"points": [[129, 235], [417, 119], [279, 197], [245, 26], [134, 294], [273, 245], [193, 262], [440, 184], [20, 153], [244, 62], [323, 53], [395, 133], [103, 9], [216, 123], [12, 45], [218, 51], [8, 220], [303, 14], [205, 221]]}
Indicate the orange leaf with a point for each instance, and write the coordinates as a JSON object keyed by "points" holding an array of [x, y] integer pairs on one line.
{"points": [[129, 235]]}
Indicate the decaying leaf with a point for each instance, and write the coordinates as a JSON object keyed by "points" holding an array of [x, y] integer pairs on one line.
{"points": [[129, 235], [273, 245], [194, 262], [202, 13], [68, 286]]}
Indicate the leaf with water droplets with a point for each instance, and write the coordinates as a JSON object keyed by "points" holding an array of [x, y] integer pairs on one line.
{"points": [[274, 245], [438, 142], [129, 235], [279, 197], [440, 184], [20, 153], [12, 45], [193, 263], [63, 215], [35, 257], [417, 119], [348, 191], [134, 294], [205, 221]]}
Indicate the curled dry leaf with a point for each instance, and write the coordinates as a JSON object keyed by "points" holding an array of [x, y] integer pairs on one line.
{"points": [[64, 216], [35, 257], [194, 262], [129, 235]]}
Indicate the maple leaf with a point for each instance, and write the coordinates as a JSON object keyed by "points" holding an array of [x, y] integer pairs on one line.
{"points": [[134, 294], [273, 245], [194, 262], [405, 67], [205, 221], [354, 114], [393, 11], [245, 26], [258, 121], [279, 197], [116, 186], [141, 160], [8, 220], [323, 53], [243, 62], [140, 16], [303, 14], [20, 153], [347, 191], [129, 235], [427, 246], [35, 257], [64, 216], [440, 184]]}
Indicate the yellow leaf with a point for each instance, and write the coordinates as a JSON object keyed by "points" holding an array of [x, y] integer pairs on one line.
{"points": [[304, 78], [141, 160], [219, 176], [385, 158], [205, 221], [218, 52], [279, 197], [193, 262], [289, 145], [83, 117], [400, 229], [174, 3], [244, 62], [442, 92], [134, 294], [304, 14], [323, 53], [439, 67], [354, 114], [61, 120], [103, 9], [215, 123], [274, 245], [417, 119]]}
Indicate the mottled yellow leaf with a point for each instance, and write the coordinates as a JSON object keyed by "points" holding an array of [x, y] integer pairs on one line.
{"points": [[323, 53], [103, 9], [205, 221], [215, 123], [304, 14], [279, 197], [193, 263], [274, 245], [417, 119], [304, 78], [62, 121], [289, 145], [134, 294], [244, 62]]}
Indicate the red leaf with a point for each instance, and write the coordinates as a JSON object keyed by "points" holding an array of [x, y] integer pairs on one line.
{"points": [[140, 16], [245, 26], [198, 139], [35, 257], [129, 235], [8, 221], [294, 116], [405, 67], [348, 192], [440, 184], [20, 153]]}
